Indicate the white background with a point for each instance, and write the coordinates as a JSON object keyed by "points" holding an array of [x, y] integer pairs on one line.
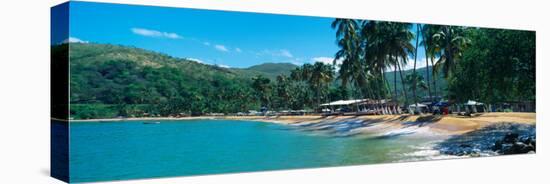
{"points": [[24, 89]]}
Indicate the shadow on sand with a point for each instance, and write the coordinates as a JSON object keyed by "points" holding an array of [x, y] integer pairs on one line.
{"points": [[422, 121], [344, 127]]}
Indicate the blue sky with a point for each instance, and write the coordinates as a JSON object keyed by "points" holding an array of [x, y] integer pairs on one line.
{"points": [[233, 39]]}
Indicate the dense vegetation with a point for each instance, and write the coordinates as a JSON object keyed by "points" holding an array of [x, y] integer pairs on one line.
{"points": [[498, 66], [111, 81], [488, 65]]}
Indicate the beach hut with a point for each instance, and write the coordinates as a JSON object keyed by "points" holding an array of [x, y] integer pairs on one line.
{"points": [[418, 108], [342, 105], [474, 107]]}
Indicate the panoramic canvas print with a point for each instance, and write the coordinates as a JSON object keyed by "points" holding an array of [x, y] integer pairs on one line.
{"points": [[145, 92]]}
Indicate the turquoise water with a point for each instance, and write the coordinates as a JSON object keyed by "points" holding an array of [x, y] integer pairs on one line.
{"points": [[131, 149]]}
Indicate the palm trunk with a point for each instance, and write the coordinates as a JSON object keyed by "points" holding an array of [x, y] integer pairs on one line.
{"points": [[414, 68], [403, 84], [395, 87], [378, 95], [387, 84], [395, 82], [355, 97], [448, 51], [434, 76], [371, 95], [319, 97], [382, 92], [427, 71], [428, 80]]}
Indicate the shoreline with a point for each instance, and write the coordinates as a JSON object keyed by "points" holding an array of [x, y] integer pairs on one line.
{"points": [[448, 124]]}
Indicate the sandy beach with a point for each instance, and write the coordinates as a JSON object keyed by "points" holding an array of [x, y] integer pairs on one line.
{"points": [[421, 125]]}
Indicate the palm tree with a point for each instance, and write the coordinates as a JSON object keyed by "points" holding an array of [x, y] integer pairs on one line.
{"points": [[401, 47], [353, 68], [263, 89], [424, 44], [414, 67], [432, 51], [452, 42], [320, 78], [282, 89], [345, 28], [416, 81], [388, 42], [347, 40]]}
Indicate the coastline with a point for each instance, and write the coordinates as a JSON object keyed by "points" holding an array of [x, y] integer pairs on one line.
{"points": [[448, 125]]}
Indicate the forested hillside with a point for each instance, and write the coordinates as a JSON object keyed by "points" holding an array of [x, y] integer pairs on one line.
{"points": [[110, 81]]}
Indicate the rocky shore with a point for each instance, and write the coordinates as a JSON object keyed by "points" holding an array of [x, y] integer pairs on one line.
{"points": [[495, 139]]}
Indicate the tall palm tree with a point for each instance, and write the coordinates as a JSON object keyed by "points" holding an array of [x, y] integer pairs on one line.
{"points": [[432, 51], [263, 89], [416, 81], [300, 75], [452, 42], [345, 28], [388, 45], [321, 76], [401, 47], [424, 44], [282, 89], [352, 69], [318, 76], [347, 40], [415, 99]]}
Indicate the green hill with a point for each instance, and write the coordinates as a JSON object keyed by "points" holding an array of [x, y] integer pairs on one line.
{"points": [[109, 80], [273, 69], [112, 80]]}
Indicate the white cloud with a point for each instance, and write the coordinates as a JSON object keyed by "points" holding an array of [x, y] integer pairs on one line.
{"points": [[297, 63], [223, 66], [196, 60], [206, 43], [238, 50], [207, 63], [221, 48], [155, 33], [74, 40], [286, 53]]}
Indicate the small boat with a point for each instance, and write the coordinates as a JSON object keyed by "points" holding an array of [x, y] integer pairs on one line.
{"points": [[154, 122]]}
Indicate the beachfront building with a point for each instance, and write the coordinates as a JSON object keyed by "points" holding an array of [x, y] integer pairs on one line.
{"points": [[418, 108], [361, 107], [341, 106], [469, 107]]}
